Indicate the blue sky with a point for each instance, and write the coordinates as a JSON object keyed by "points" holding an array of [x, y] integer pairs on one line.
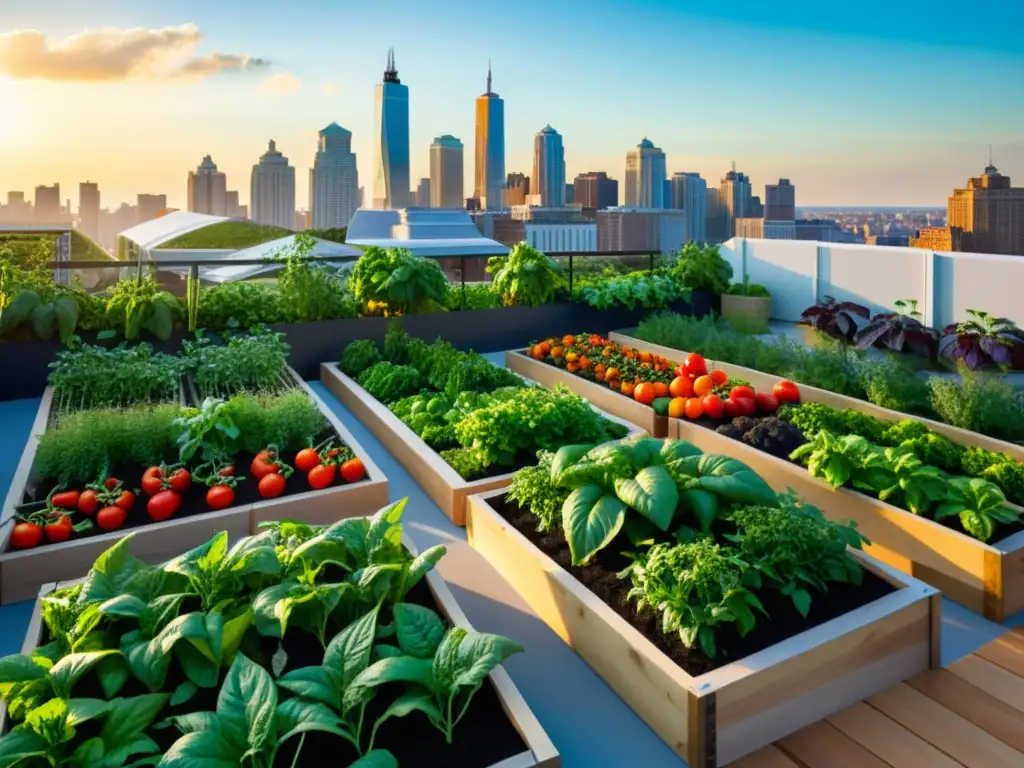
{"points": [[857, 103]]}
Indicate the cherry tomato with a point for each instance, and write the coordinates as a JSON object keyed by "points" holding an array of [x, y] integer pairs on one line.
{"points": [[110, 518], [163, 505], [26, 536], [718, 376], [65, 499], [741, 391], [111, 483], [694, 365], [786, 392], [227, 471], [321, 476], [220, 496], [59, 530], [732, 409], [180, 480], [271, 486], [745, 405], [694, 409], [88, 502], [306, 459], [125, 501], [152, 481], [703, 385], [766, 403], [352, 471], [713, 406], [262, 465]]}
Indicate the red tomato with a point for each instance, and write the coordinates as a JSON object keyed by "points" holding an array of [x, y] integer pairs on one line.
{"points": [[163, 505], [786, 392], [180, 480], [88, 502], [262, 465], [745, 405], [741, 391], [713, 406], [694, 408], [766, 403], [227, 471], [65, 499], [220, 496], [125, 501], [26, 536], [306, 459], [152, 481], [732, 409], [321, 476], [352, 471], [111, 483], [271, 486], [719, 377], [695, 365], [110, 518], [59, 530]]}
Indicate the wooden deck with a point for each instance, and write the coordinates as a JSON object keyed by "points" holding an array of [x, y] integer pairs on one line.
{"points": [[970, 713]]}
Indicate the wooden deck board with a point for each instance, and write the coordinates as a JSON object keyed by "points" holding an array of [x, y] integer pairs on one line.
{"points": [[888, 740], [768, 757], [1006, 651], [824, 746], [991, 678]]}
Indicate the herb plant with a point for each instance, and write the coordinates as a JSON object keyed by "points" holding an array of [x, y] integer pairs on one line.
{"points": [[310, 291], [388, 382], [526, 277], [358, 356], [239, 305], [702, 268], [651, 291], [253, 362], [134, 306], [397, 282], [531, 488], [751, 290]]}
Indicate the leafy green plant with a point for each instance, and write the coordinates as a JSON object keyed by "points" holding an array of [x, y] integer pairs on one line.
{"points": [[471, 297], [532, 489], [752, 290], [398, 282], [254, 362], [651, 291], [207, 433], [979, 505], [358, 356], [702, 268], [983, 341], [892, 384], [526, 277], [239, 305], [311, 291], [899, 331], [134, 306], [1003, 470], [388, 382], [979, 402]]}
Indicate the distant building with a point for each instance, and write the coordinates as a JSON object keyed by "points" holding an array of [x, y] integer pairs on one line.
{"points": [[232, 207], [517, 187], [716, 220], [735, 200], [48, 208], [446, 173], [549, 167], [780, 201], [113, 223], [489, 181], [207, 189], [650, 230], [272, 189], [689, 193], [334, 194], [17, 211], [556, 229], [89, 209], [300, 222], [149, 207], [899, 241], [948, 239], [990, 214], [762, 229], [595, 190], [391, 141], [821, 230], [421, 197], [570, 194], [645, 176]]}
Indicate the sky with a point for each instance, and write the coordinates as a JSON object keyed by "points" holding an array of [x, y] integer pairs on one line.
{"points": [[864, 102]]}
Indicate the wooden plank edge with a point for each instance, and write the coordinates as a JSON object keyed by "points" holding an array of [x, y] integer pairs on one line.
{"points": [[702, 730]]}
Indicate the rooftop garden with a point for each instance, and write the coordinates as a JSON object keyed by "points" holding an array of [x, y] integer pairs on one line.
{"points": [[233, 235]]}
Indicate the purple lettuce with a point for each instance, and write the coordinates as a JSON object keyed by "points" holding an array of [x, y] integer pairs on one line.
{"points": [[899, 332], [983, 342], [841, 319]]}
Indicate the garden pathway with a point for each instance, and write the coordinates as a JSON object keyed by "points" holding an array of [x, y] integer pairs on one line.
{"points": [[589, 724]]}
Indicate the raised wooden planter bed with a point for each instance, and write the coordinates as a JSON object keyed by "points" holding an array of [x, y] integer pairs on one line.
{"points": [[764, 382], [717, 718], [540, 751], [986, 578], [443, 484], [614, 403], [23, 572]]}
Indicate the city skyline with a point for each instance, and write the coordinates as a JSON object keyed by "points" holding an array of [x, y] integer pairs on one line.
{"points": [[853, 129]]}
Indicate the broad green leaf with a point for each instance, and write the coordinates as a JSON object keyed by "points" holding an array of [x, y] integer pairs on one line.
{"points": [[197, 667], [184, 693], [297, 716], [566, 456], [384, 525], [314, 683], [731, 479], [111, 573], [89, 753], [420, 630], [353, 533], [269, 613], [70, 669], [591, 519], [65, 309], [21, 744], [478, 654], [125, 606], [409, 702], [422, 564], [202, 749], [194, 722], [401, 669], [129, 717], [652, 493], [17, 669], [678, 449], [233, 634], [140, 745], [703, 505], [44, 318], [247, 702], [150, 659], [83, 710], [348, 654], [445, 665], [204, 558]]}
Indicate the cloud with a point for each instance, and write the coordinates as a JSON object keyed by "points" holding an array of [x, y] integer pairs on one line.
{"points": [[283, 82], [330, 88], [110, 54]]}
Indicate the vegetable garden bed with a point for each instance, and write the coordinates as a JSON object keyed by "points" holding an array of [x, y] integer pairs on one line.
{"points": [[716, 717], [765, 382], [260, 684], [440, 481], [23, 571], [608, 401]]}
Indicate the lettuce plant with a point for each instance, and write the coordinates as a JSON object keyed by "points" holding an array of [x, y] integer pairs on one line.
{"points": [[526, 277], [979, 504]]}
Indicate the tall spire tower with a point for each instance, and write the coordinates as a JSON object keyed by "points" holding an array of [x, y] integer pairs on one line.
{"points": [[489, 186], [391, 140]]}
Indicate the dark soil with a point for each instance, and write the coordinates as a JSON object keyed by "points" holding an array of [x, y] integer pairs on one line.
{"points": [[784, 622], [740, 429], [194, 500]]}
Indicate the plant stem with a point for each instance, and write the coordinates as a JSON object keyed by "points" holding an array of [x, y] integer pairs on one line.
{"points": [[298, 750]]}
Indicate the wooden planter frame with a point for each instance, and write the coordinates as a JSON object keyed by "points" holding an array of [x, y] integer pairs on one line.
{"points": [[23, 572], [986, 578], [764, 382], [540, 752], [443, 485], [723, 715], [614, 403]]}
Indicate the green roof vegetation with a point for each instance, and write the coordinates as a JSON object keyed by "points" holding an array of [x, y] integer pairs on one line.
{"points": [[84, 248], [23, 248], [227, 234]]}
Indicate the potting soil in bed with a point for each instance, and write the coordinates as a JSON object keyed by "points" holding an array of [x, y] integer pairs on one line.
{"points": [[783, 620]]}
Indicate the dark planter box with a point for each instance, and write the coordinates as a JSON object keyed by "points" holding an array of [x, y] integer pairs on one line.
{"points": [[482, 330]]}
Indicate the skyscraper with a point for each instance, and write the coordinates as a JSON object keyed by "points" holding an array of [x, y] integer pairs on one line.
{"points": [[333, 180], [645, 176], [690, 194], [517, 187], [272, 190], [490, 149], [148, 207], [549, 168], [596, 190], [421, 196], [446, 174], [47, 207], [207, 189], [735, 196], [391, 140], [89, 208], [780, 201]]}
